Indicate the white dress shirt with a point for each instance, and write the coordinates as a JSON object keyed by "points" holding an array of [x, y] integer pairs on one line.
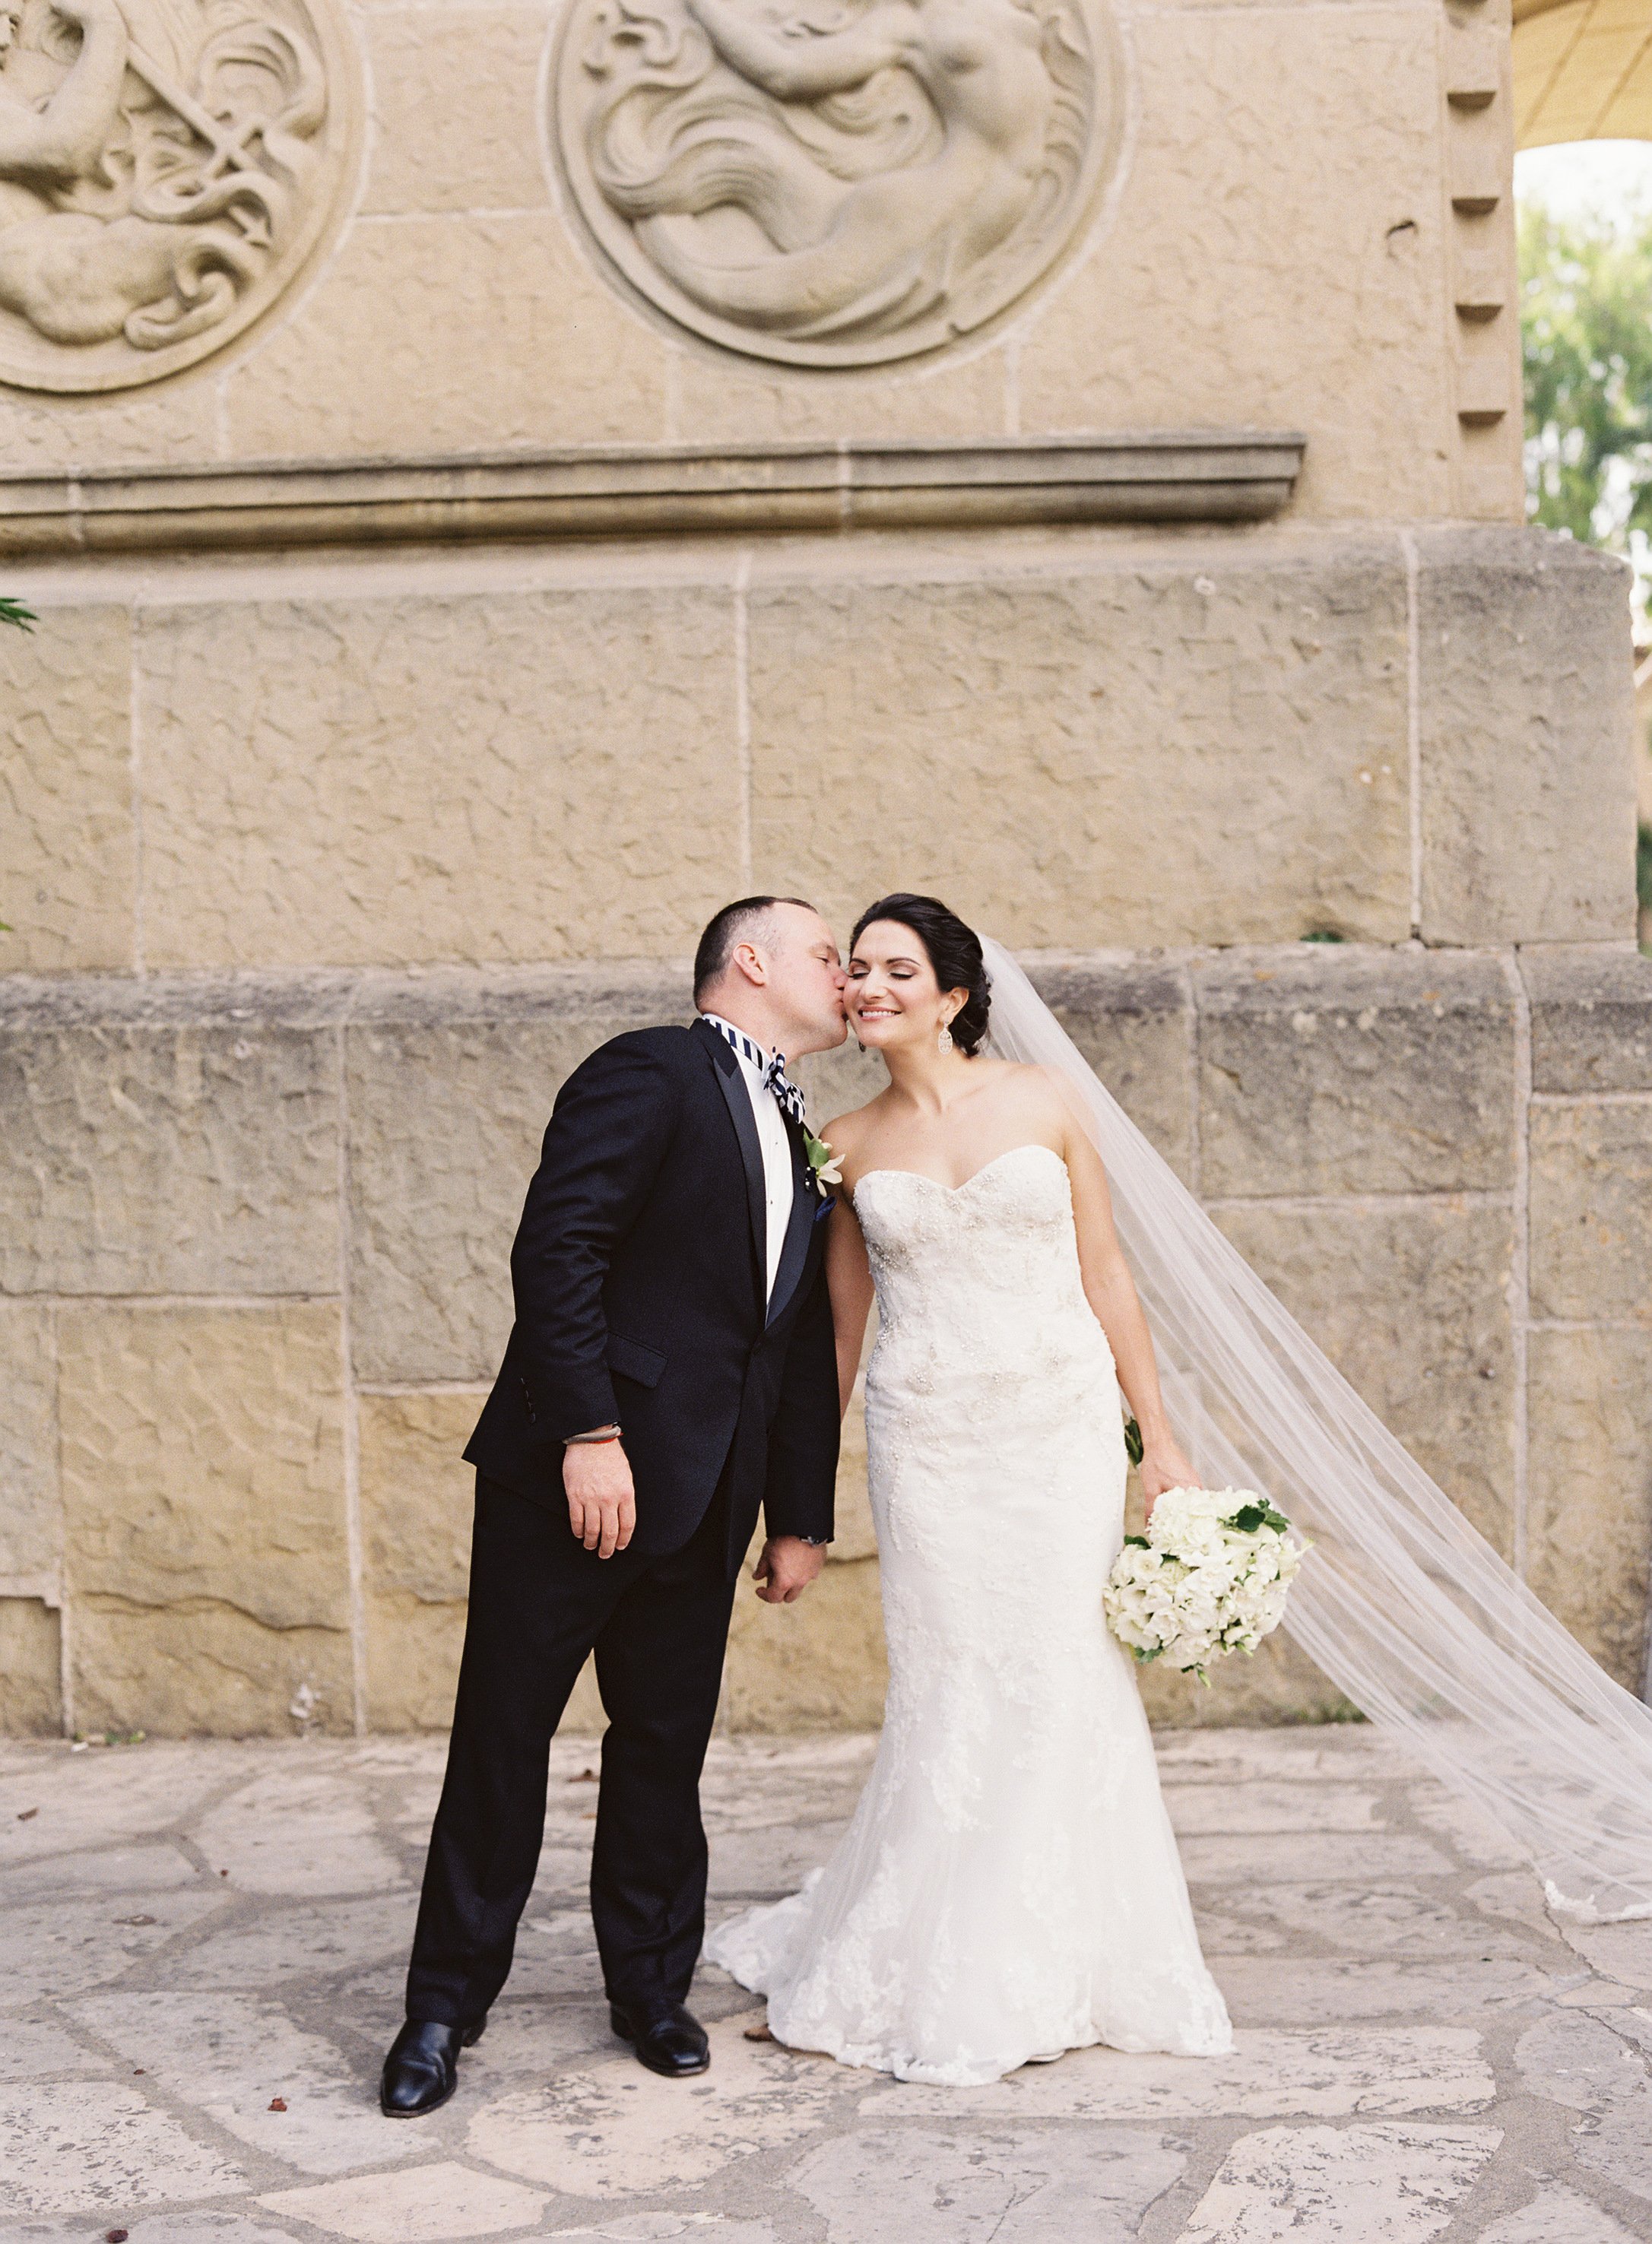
{"points": [[778, 1172]]}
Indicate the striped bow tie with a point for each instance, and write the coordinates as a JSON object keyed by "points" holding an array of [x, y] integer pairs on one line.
{"points": [[777, 1079], [787, 1095]]}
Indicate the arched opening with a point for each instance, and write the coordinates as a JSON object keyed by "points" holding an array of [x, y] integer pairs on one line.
{"points": [[1582, 71]]}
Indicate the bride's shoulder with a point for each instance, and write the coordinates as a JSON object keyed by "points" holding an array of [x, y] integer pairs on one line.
{"points": [[1023, 1083], [844, 1131], [1022, 1100]]}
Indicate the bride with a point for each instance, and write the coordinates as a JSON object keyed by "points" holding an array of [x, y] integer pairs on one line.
{"points": [[1009, 1888]]}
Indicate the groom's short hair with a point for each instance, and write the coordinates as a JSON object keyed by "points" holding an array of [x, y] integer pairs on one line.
{"points": [[734, 924]]}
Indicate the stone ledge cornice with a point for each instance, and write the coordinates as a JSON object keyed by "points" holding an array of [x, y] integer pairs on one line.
{"points": [[1258, 978], [339, 997], [612, 492]]}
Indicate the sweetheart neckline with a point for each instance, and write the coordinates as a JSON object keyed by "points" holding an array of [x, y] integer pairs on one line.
{"points": [[1033, 1145]]}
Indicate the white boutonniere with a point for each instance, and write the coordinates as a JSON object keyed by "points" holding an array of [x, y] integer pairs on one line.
{"points": [[824, 1169]]}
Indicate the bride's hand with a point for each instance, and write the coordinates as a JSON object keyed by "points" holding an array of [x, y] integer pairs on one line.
{"points": [[1163, 1466]]}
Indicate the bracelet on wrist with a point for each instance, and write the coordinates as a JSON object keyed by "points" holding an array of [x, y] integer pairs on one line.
{"points": [[597, 1434]]}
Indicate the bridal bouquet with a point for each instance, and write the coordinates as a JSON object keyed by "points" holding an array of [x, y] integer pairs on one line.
{"points": [[1210, 1575]]}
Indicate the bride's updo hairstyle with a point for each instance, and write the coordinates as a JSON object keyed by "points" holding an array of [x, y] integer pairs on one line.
{"points": [[954, 951]]}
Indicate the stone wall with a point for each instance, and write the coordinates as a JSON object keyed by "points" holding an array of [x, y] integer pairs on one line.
{"points": [[236, 1502], [448, 608], [256, 1202], [1086, 738]]}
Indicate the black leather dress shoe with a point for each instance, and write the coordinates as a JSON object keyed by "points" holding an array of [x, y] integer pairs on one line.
{"points": [[422, 2068], [667, 2037]]}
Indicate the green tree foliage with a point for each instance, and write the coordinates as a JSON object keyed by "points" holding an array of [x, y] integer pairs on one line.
{"points": [[1585, 320], [1586, 327]]}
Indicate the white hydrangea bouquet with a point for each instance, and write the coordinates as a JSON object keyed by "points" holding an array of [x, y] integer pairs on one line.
{"points": [[1210, 1575]]}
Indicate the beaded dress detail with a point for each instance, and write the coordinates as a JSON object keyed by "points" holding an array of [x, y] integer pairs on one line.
{"points": [[1009, 1887]]}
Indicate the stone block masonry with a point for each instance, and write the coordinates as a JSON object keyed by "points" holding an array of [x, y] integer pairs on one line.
{"points": [[237, 1387], [1086, 738]]}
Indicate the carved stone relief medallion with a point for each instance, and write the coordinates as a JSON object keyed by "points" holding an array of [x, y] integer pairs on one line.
{"points": [[166, 169], [833, 183]]}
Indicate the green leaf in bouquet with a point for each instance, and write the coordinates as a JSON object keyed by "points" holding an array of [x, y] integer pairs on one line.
{"points": [[1132, 1441], [1253, 1515], [1139, 1542]]}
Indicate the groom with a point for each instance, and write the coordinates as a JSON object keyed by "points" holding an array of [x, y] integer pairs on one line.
{"points": [[670, 1370]]}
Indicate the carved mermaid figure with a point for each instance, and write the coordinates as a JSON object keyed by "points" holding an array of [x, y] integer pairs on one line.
{"points": [[956, 100], [72, 276], [149, 150]]}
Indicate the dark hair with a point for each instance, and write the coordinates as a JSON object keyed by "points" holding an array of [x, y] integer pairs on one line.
{"points": [[954, 951], [730, 927]]}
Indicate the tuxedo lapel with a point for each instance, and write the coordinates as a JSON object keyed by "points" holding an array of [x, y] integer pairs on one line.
{"points": [[794, 1250], [726, 1068]]}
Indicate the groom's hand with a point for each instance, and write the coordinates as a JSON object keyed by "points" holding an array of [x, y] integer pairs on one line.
{"points": [[786, 1568], [602, 1501]]}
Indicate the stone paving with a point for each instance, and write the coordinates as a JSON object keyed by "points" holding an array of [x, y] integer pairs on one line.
{"points": [[202, 1955]]}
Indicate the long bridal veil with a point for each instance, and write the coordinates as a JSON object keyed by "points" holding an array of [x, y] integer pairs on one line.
{"points": [[1402, 1604]]}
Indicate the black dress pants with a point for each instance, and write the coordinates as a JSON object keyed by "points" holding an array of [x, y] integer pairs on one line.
{"points": [[539, 1602]]}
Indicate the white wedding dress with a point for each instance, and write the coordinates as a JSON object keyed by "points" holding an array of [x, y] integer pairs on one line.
{"points": [[1010, 1887]]}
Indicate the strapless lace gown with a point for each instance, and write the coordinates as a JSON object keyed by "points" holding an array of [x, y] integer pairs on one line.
{"points": [[1009, 1887]]}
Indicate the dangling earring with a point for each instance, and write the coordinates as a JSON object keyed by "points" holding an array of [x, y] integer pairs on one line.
{"points": [[943, 1042]]}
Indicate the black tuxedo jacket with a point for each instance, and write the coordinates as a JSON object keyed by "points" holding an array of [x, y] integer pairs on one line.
{"points": [[638, 1271]]}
